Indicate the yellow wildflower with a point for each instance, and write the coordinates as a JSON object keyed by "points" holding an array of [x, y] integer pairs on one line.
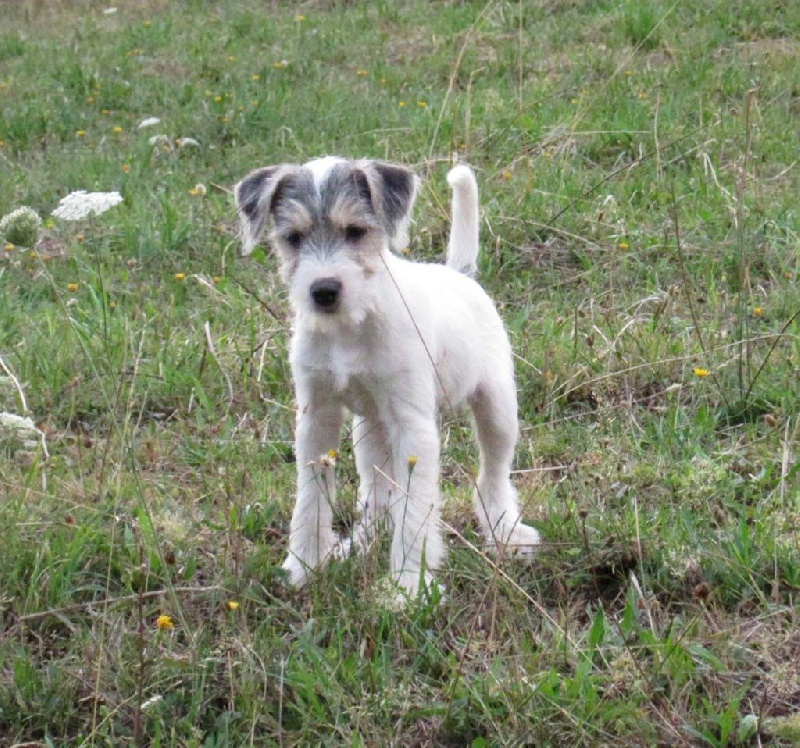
{"points": [[412, 461], [164, 622], [758, 311], [700, 372], [180, 276], [80, 133], [117, 129], [233, 606], [72, 287], [623, 246]]}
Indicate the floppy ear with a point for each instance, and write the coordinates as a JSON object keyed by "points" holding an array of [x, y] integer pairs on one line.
{"points": [[393, 189], [254, 198]]}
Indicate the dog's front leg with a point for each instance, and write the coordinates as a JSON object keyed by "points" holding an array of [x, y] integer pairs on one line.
{"points": [[417, 547], [311, 536]]}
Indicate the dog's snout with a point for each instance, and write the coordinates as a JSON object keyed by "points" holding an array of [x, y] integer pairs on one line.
{"points": [[326, 293]]}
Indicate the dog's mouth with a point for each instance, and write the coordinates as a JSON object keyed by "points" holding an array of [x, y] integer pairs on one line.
{"points": [[326, 295]]}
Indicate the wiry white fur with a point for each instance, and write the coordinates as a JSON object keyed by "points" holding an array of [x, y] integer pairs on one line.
{"points": [[462, 252], [407, 340]]}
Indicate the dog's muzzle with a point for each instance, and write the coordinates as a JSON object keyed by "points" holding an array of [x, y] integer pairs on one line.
{"points": [[326, 294]]}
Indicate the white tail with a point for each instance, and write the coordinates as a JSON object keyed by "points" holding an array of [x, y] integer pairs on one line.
{"points": [[462, 254]]}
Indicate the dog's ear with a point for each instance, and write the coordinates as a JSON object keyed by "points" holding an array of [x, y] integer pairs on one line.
{"points": [[255, 196], [393, 189]]}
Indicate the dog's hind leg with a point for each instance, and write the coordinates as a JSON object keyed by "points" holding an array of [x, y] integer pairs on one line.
{"points": [[494, 406]]}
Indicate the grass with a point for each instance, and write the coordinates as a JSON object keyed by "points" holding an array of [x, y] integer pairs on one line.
{"points": [[638, 167]]}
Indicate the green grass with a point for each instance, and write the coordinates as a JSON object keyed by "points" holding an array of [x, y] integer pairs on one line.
{"points": [[639, 178]]}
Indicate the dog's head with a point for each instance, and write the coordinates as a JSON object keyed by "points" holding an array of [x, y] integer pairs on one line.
{"points": [[331, 222]]}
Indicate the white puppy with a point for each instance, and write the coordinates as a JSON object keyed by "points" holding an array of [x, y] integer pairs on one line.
{"points": [[391, 341]]}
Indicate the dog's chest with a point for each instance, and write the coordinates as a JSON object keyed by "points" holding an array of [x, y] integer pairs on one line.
{"points": [[345, 369]]}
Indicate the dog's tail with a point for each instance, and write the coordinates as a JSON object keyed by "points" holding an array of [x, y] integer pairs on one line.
{"points": [[462, 254]]}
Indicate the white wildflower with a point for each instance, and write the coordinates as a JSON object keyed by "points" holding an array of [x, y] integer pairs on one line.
{"points": [[183, 142], [78, 205], [109, 11], [149, 122], [22, 427], [21, 227], [151, 701]]}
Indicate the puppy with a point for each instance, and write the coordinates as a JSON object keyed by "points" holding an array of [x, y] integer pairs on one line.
{"points": [[390, 341]]}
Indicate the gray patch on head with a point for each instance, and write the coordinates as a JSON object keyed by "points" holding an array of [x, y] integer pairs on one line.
{"points": [[394, 189]]}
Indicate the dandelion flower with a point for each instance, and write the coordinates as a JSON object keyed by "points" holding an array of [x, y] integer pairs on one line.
{"points": [[401, 103], [164, 622], [72, 287], [116, 129], [126, 168], [80, 237], [361, 71], [256, 77], [198, 190], [233, 605], [80, 204], [80, 134], [218, 98], [333, 454], [700, 372], [422, 104], [280, 64], [21, 227], [180, 276], [412, 461], [105, 112], [8, 246], [758, 311], [623, 245]]}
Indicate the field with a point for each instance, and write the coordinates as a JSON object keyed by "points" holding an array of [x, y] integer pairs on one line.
{"points": [[638, 165]]}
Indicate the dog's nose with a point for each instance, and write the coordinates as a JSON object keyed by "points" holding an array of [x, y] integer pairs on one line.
{"points": [[326, 294]]}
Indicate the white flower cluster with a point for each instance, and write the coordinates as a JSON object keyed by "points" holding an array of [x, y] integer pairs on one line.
{"points": [[78, 205], [21, 227]]}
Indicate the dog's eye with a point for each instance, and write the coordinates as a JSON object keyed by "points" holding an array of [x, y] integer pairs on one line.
{"points": [[293, 239], [353, 233]]}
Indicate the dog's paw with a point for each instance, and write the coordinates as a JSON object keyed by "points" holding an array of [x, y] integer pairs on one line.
{"points": [[517, 540], [297, 571]]}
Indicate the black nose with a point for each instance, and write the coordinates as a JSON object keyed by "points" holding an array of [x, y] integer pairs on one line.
{"points": [[326, 294]]}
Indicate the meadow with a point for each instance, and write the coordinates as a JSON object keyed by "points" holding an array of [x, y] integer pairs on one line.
{"points": [[638, 166]]}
